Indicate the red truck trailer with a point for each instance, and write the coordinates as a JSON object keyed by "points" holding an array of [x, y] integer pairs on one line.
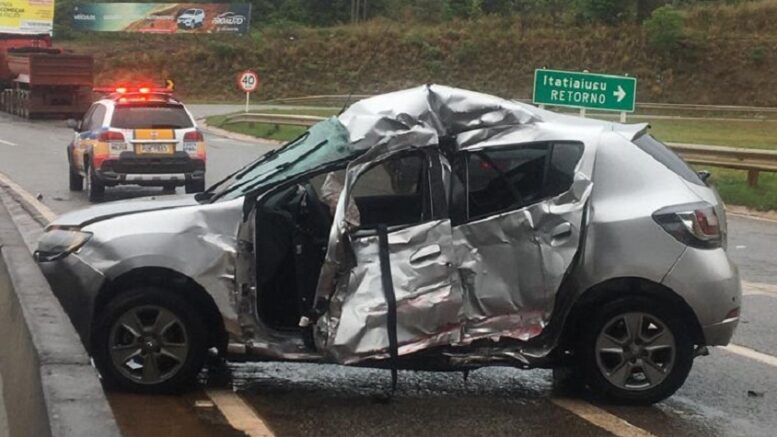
{"points": [[39, 81]]}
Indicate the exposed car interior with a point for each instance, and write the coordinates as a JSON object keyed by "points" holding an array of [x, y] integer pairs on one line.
{"points": [[293, 224]]}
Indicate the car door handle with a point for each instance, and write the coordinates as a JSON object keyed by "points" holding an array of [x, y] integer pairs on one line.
{"points": [[425, 252], [562, 230]]}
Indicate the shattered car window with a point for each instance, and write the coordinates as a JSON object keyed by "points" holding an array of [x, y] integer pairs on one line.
{"points": [[505, 179], [323, 143], [390, 193], [511, 178]]}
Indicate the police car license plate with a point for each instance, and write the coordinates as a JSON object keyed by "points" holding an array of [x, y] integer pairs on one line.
{"points": [[156, 149]]}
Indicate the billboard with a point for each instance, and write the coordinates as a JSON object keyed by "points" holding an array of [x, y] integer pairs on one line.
{"points": [[26, 16], [163, 17]]}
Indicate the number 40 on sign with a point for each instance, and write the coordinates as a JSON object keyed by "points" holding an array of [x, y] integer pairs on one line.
{"points": [[248, 81]]}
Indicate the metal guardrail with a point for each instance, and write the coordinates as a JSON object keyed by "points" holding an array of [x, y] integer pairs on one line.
{"points": [[341, 98], [753, 161], [281, 119]]}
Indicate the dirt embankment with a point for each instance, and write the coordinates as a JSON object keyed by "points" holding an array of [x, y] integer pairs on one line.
{"points": [[728, 57]]}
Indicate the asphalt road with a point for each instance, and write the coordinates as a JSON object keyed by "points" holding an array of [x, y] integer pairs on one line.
{"points": [[727, 394]]}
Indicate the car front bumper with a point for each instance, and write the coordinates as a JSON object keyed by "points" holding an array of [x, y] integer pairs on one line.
{"points": [[76, 284], [709, 282]]}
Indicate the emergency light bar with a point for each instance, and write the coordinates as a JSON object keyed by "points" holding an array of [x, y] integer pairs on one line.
{"points": [[133, 90]]}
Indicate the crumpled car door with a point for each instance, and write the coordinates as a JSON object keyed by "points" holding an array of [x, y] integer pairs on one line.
{"points": [[520, 232], [402, 276]]}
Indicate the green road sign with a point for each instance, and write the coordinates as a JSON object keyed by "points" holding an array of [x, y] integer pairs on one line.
{"points": [[585, 90]]}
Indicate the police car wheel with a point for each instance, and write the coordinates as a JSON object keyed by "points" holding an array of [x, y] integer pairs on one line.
{"points": [[96, 188], [76, 181], [195, 187]]}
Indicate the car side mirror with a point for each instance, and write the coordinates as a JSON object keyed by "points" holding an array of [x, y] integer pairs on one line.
{"points": [[74, 124], [704, 175]]}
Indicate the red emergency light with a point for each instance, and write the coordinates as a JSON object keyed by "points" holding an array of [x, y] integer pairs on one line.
{"points": [[133, 89]]}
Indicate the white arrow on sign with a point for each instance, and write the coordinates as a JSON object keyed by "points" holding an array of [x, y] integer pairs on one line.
{"points": [[620, 93]]}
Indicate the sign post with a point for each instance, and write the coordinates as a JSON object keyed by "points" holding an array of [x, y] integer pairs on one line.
{"points": [[572, 89], [248, 81]]}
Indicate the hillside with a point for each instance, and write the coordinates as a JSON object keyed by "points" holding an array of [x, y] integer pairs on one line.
{"points": [[727, 56]]}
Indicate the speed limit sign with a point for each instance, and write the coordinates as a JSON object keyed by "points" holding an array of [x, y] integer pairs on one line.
{"points": [[248, 81]]}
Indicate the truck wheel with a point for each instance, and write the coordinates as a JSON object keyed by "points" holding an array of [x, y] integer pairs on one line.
{"points": [[636, 351], [149, 340], [195, 187], [95, 187]]}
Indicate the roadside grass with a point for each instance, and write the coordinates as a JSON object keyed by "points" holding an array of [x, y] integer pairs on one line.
{"points": [[732, 184], [750, 134], [733, 188], [272, 131]]}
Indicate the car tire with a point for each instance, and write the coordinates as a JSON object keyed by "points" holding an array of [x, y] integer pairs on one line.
{"points": [[170, 188], [637, 366], [149, 340], [76, 181], [95, 187], [195, 187]]}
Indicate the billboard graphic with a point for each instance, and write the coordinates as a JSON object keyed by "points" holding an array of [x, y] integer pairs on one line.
{"points": [[163, 17], [26, 16]]}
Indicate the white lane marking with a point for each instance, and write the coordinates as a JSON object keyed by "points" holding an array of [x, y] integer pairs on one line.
{"points": [[752, 354], [753, 288], [239, 414], [8, 143], [598, 417], [751, 217], [36, 204]]}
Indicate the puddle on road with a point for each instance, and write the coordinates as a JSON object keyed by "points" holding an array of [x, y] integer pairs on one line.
{"points": [[168, 416]]}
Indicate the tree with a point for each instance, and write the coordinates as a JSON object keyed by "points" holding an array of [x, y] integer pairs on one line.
{"points": [[665, 29]]}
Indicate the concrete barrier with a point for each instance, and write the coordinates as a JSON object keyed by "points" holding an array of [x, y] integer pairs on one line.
{"points": [[49, 387]]}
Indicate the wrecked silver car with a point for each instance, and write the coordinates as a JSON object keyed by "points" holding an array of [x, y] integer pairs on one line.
{"points": [[431, 228]]}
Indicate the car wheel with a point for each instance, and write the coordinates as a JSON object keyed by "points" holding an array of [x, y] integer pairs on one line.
{"points": [[195, 187], [76, 180], [170, 188], [95, 187], [636, 351], [149, 340]]}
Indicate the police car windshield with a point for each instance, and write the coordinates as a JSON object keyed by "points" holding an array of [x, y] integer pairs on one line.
{"points": [[150, 117]]}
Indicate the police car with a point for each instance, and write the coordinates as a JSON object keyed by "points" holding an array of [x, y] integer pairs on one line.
{"points": [[141, 136]]}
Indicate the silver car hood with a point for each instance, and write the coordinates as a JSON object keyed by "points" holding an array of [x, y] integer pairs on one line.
{"points": [[105, 211]]}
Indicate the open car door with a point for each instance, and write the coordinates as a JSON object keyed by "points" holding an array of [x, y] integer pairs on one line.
{"points": [[402, 292]]}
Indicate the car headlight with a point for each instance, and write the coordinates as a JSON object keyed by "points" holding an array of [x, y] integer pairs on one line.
{"points": [[59, 243]]}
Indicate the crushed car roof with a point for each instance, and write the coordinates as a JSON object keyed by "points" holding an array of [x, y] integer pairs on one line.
{"points": [[421, 116]]}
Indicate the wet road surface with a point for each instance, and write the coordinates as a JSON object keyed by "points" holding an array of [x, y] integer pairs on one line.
{"points": [[727, 394]]}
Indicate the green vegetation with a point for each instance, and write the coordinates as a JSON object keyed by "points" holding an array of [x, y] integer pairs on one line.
{"points": [[665, 29], [732, 186], [491, 52], [747, 134]]}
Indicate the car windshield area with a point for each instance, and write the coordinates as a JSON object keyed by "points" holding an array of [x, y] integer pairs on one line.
{"points": [[151, 117], [324, 143]]}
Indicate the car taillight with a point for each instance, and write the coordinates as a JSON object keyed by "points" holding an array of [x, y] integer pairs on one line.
{"points": [[110, 136], [193, 136], [694, 224]]}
